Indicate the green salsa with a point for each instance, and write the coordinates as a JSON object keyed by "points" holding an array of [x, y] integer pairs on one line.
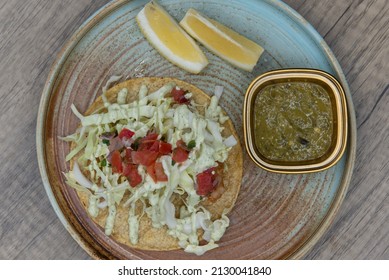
{"points": [[293, 121]]}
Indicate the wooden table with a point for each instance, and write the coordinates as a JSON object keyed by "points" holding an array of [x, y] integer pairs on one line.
{"points": [[32, 33]]}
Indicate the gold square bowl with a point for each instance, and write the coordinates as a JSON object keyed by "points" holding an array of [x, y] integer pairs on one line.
{"points": [[339, 117]]}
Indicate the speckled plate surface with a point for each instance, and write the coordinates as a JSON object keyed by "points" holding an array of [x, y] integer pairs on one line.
{"points": [[276, 216]]}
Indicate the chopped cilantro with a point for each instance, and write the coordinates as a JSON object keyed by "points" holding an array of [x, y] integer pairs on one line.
{"points": [[136, 143], [191, 144]]}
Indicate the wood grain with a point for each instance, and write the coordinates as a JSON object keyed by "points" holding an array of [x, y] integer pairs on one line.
{"points": [[33, 32]]}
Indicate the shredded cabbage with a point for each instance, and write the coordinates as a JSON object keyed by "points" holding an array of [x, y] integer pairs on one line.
{"points": [[159, 113]]}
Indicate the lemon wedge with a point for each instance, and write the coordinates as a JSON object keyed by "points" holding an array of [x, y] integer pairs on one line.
{"points": [[169, 39], [222, 41]]}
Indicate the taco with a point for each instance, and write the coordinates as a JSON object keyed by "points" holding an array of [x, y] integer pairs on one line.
{"points": [[157, 164]]}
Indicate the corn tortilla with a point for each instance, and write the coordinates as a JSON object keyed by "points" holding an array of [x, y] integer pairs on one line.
{"points": [[151, 238]]}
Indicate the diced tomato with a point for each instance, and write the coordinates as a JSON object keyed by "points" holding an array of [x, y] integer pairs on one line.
{"points": [[208, 180], [180, 155], [151, 171], [156, 172], [145, 158], [147, 142], [132, 174], [159, 172], [116, 162], [204, 183], [155, 146], [181, 144], [128, 157], [126, 133], [179, 95], [150, 136], [126, 169], [165, 148], [145, 145], [135, 156]]}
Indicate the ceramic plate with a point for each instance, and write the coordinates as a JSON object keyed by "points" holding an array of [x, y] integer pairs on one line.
{"points": [[276, 216]]}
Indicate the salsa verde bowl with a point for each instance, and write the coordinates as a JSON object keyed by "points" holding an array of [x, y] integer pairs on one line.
{"points": [[289, 83]]}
